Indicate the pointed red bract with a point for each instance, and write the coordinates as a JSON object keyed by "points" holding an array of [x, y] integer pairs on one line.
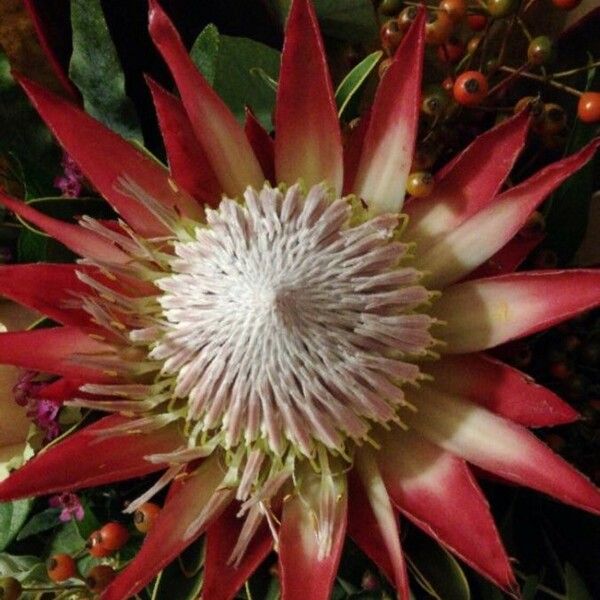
{"points": [[484, 313], [105, 157], [437, 492], [53, 351], [221, 579], [390, 139], [364, 529], [498, 446], [468, 183], [501, 389], [85, 459], [48, 289], [188, 162], [169, 536], [308, 143], [303, 574], [62, 389], [386, 518], [353, 146], [45, 30], [458, 252], [509, 258], [219, 134], [76, 238], [262, 144]]}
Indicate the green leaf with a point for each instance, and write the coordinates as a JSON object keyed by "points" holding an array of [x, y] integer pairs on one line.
{"points": [[27, 151], [347, 20], [89, 523], [96, 71], [42, 521], [576, 589], [12, 516], [68, 540], [27, 569], [567, 209], [530, 587], [182, 579], [354, 80], [435, 570], [230, 63]]}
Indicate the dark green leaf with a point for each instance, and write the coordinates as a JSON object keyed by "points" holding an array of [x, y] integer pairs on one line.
{"points": [[435, 570], [42, 521], [530, 587], [182, 579], [348, 20], [96, 71], [576, 589], [228, 63], [12, 516], [89, 523], [568, 208], [354, 80], [27, 152], [205, 52]]}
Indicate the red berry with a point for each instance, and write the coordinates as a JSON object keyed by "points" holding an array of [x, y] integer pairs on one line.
{"points": [[99, 578], [588, 109], [560, 370], [456, 9], [420, 184], [452, 51], [438, 27], [96, 547], [566, 4], [145, 516], [61, 567], [477, 22], [448, 84], [113, 535], [470, 88]]}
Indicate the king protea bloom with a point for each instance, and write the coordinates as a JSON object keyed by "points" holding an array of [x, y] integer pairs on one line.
{"points": [[299, 353]]}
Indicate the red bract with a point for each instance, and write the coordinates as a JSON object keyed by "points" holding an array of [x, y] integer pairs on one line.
{"points": [[243, 344]]}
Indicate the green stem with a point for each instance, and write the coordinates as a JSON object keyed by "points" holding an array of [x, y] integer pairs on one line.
{"points": [[556, 84], [577, 70]]}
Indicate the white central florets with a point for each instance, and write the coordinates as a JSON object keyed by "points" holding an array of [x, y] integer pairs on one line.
{"points": [[288, 321]]}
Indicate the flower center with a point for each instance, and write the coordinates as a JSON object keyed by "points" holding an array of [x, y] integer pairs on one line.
{"points": [[288, 322]]}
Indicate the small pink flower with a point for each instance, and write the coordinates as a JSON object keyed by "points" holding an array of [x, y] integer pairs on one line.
{"points": [[70, 183], [70, 505]]}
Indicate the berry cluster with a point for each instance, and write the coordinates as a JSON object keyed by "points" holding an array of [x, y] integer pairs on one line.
{"points": [[470, 51], [63, 571]]}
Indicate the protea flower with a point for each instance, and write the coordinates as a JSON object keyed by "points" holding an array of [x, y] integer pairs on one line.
{"points": [[301, 354]]}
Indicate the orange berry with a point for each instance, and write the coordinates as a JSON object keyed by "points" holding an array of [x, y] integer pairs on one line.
{"points": [[61, 567], [438, 28], [113, 535], [470, 88], [99, 578], [96, 547], [456, 9], [420, 184], [588, 109], [145, 515]]}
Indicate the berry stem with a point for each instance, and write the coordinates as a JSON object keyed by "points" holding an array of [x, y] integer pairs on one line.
{"points": [[577, 70], [514, 73], [520, 73]]}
